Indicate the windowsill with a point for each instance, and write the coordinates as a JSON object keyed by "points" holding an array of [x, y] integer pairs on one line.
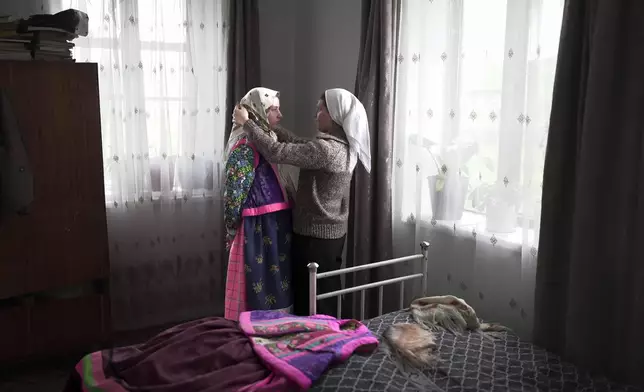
{"points": [[168, 200], [203, 184], [473, 225]]}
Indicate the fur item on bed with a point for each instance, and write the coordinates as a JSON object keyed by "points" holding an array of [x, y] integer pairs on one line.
{"points": [[412, 344], [451, 313]]}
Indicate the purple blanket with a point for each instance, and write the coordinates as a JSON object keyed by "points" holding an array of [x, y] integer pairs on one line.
{"points": [[208, 355], [298, 350], [266, 351]]}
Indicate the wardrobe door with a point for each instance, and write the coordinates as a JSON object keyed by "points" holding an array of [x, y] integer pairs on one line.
{"points": [[54, 262], [57, 110]]}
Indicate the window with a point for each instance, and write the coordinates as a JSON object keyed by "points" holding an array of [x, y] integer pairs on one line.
{"points": [[474, 90], [162, 82]]}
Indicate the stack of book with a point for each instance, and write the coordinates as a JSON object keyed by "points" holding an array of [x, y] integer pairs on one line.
{"points": [[13, 46], [51, 44], [41, 37]]}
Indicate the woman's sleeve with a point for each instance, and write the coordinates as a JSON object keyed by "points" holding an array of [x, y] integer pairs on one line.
{"points": [[240, 173], [285, 136], [317, 154]]}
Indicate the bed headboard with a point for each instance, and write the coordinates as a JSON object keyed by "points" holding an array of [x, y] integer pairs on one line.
{"points": [[314, 276]]}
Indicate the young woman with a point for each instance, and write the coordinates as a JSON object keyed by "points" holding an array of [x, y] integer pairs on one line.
{"points": [[326, 167], [258, 218]]}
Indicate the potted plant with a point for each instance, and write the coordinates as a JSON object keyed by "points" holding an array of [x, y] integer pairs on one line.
{"points": [[500, 202], [449, 184]]}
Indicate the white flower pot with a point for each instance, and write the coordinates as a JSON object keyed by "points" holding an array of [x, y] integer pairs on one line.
{"points": [[448, 201]]}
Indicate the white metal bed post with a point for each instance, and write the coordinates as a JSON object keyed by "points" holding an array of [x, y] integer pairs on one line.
{"points": [[424, 247], [313, 288], [314, 276]]}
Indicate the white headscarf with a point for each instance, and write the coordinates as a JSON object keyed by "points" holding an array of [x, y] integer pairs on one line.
{"points": [[259, 100], [347, 110]]}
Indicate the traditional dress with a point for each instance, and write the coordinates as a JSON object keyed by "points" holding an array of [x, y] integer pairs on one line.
{"points": [[321, 210], [258, 222]]}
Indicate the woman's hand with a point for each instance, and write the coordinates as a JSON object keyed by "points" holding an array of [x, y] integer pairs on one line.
{"points": [[240, 115]]}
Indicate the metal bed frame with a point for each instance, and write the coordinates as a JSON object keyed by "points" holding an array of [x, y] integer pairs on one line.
{"points": [[314, 276]]}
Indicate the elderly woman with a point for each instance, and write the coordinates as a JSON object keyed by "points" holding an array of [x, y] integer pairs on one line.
{"points": [[258, 218], [326, 167]]}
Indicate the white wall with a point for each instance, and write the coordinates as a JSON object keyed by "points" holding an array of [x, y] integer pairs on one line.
{"points": [[306, 48]]}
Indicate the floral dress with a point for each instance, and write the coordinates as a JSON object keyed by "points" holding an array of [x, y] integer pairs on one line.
{"points": [[258, 224]]}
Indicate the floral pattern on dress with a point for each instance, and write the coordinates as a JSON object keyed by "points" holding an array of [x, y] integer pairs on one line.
{"points": [[240, 173], [267, 261]]}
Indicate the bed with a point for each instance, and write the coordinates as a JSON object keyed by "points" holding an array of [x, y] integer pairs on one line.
{"points": [[215, 354], [467, 362]]}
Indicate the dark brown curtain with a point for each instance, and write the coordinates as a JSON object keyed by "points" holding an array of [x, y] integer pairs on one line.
{"points": [[243, 53], [370, 225], [589, 300]]}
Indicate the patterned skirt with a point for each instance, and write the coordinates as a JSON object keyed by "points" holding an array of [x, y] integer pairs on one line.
{"points": [[259, 267]]}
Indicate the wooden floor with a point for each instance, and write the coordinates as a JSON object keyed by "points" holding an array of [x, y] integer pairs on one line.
{"points": [[51, 375], [45, 377]]}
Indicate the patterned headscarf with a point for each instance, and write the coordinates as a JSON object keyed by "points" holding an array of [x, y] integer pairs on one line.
{"points": [[257, 101]]}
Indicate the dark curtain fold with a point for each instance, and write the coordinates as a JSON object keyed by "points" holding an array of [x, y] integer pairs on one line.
{"points": [[370, 226], [243, 53], [589, 299], [243, 70]]}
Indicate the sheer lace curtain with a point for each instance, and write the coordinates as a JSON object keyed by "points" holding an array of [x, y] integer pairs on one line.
{"points": [[473, 98], [162, 77]]}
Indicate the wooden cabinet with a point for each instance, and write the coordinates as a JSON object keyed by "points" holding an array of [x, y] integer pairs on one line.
{"points": [[54, 263]]}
